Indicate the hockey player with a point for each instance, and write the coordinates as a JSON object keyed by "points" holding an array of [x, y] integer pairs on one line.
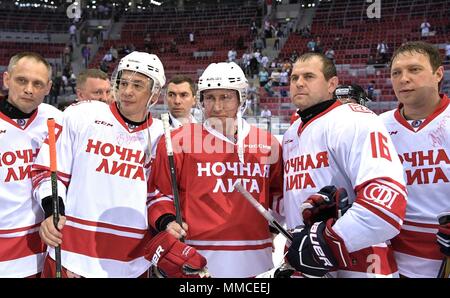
{"points": [[23, 128], [345, 145], [351, 94], [93, 84], [420, 130], [104, 155], [180, 100], [209, 159]]}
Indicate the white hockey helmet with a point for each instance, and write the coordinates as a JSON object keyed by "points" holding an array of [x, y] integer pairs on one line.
{"points": [[146, 64], [223, 75]]}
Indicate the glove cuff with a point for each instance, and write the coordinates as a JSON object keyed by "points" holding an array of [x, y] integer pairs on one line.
{"points": [[337, 246]]}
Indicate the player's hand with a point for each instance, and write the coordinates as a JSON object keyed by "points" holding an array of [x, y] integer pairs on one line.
{"points": [[324, 204], [49, 234], [176, 230]]}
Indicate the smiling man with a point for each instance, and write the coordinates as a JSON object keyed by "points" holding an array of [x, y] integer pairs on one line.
{"points": [[23, 128], [347, 146], [104, 157], [420, 129]]}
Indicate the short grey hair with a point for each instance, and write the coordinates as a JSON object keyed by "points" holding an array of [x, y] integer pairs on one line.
{"points": [[31, 55]]}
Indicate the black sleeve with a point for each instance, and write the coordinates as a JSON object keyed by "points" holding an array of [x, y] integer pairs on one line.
{"points": [[162, 222]]}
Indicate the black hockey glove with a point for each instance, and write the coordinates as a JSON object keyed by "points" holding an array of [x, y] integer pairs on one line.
{"points": [[316, 250], [47, 205], [328, 203]]}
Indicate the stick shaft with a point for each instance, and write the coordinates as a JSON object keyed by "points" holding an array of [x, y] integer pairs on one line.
{"points": [[263, 211], [173, 176], [54, 183]]}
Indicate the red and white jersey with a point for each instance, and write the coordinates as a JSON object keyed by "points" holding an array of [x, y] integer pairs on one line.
{"points": [[21, 250], [348, 146], [223, 226], [425, 154], [102, 167]]}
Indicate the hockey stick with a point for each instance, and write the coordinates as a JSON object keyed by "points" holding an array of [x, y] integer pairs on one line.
{"points": [[263, 211], [444, 270], [176, 198], [53, 178]]}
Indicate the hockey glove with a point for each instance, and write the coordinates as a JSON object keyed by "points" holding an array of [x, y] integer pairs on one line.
{"points": [[174, 258], [316, 250], [443, 235], [325, 204]]}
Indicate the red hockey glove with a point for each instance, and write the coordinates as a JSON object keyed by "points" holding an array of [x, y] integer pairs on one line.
{"points": [[324, 205], [443, 235], [174, 258], [316, 250]]}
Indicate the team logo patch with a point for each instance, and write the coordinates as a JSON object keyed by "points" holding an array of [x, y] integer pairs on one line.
{"points": [[380, 194], [21, 122], [131, 126], [416, 123]]}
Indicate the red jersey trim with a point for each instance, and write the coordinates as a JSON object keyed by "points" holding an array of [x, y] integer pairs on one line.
{"points": [[414, 243], [12, 248], [106, 225], [102, 245]]}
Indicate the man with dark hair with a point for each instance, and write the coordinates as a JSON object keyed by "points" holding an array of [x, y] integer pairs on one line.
{"points": [[93, 84], [23, 128], [180, 100], [322, 171], [420, 129]]}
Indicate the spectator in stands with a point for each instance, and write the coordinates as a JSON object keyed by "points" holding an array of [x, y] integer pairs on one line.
{"points": [[311, 45], [232, 55], [286, 65], [284, 78], [245, 62], [382, 50], [266, 112], [425, 28], [253, 29], [275, 76], [180, 100], [86, 54], [73, 33], [268, 88], [330, 54], [93, 84], [191, 37], [263, 76], [108, 57], [114, 53], [447, 52], [253, 93], [294, 56], [265, 61], [254, 65], [56, 87]]}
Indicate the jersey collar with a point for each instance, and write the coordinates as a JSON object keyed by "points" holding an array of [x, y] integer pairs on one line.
{"points": [[146, 124], [302, 126], [443, 104]]}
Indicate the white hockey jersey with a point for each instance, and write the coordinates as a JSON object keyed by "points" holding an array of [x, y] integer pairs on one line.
{"points": [[425, 154], [348, 146], [21, 250], [226, 229], [102, 177]]}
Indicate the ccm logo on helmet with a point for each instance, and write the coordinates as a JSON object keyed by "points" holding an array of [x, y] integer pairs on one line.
{"points": [[316, 246], [157, 255], [380, 194]]}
